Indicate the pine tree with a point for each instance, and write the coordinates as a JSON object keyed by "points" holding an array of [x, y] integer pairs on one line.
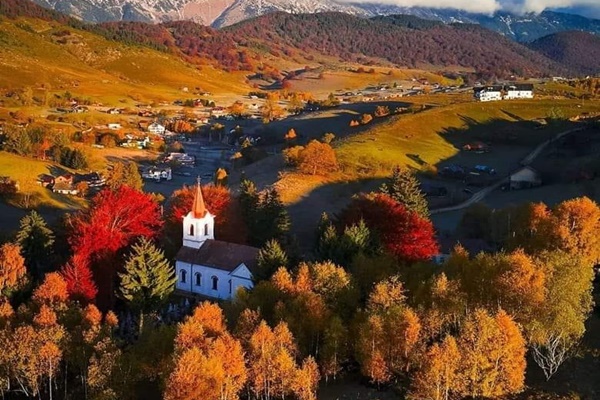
{"points": [[274, 213], [148, 278], [36, 240], [403, 187], [270, 258]]}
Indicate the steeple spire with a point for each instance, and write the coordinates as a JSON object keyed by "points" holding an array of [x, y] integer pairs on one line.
{"points": [[198, 209]]}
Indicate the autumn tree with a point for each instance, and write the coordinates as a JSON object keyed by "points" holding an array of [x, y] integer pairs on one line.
{"points": [[403, 233], [53, 290], [318, 159], [493, 356], [80, 281], [12, 268], [36, 240], [559, 323], [404, 187], [147, 280], [115, 220], [271, 109], [438, 377], [124, 174]]}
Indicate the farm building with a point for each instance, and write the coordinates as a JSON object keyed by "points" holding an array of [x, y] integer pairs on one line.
{"points": [[524, 178], [519, 91], [488, 93]]}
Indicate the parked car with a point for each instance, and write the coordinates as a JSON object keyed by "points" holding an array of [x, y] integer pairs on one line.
{"points": [[485, 169]]}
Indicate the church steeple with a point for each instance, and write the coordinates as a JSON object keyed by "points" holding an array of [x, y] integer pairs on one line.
{"points": [[198, 224], [198, 209]]}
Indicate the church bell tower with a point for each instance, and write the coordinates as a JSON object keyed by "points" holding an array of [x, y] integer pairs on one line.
{"points": [[198, 224]]}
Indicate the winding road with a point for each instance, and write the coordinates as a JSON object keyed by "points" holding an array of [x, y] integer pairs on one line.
{"points": [[527, 160]]}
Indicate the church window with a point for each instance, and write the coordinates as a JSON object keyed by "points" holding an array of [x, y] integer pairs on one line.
{"points": [[230, 286], [206, 230], [198, 279], [183, 274], [191, 230], [215, 282]]}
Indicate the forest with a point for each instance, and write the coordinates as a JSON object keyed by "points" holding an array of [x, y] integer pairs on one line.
{"points": [[87, 308]]}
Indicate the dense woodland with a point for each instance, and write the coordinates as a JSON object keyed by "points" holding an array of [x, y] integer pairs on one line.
{"points": [[86, 306], [579, 51], [402, 41]]}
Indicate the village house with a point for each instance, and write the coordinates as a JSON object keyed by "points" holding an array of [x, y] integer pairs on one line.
{"points": [[156, 128], [519, 91], [504, 92], [158, 173], [45, 180], [114, 126], [114, 111], [208, 267], [524, 178], [63, 184]]}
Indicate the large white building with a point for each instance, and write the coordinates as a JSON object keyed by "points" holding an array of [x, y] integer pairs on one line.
{"points": [[506, 92], [209, 267]]}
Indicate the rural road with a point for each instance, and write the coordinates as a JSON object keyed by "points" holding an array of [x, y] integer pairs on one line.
{"points": [[527, 160]]}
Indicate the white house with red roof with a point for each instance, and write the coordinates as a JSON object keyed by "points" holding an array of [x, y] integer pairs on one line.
{"points": [[209, 267]]}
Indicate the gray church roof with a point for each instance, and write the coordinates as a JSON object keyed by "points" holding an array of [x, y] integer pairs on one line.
{"points": [[220, 255]]}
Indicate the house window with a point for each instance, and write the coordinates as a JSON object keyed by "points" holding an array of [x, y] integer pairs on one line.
{"points": [[230, 286], [183, 274], [206, 230], [191, 230], [198, 279], [215, 282]]}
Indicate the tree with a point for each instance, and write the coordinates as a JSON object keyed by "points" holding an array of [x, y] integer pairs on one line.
{"points": [[318, 159], [36, 240], [438, 377], [124, 174], [271, 109], [12, 268], [148, 279], [493, 356], [306, 380], [267, 218], [403, 233], [115, 219], [52, 291], [270, 258], [559, 323], [404, 187], [80, 280]]}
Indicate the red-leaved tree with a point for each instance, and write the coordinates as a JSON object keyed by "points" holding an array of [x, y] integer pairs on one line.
{"points": [[404, 234], [80, 280], [102, 233]]}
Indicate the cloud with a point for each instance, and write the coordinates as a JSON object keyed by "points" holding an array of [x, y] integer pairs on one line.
{"points": [[591, 7]]}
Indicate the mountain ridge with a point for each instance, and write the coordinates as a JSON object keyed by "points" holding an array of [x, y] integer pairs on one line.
{"points": [[221, 13]]}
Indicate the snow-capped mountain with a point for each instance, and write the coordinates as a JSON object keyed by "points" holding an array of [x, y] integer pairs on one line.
{"points": [[221, 13]]}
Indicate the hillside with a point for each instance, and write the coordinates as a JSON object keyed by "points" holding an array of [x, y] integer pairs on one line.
{"points": [[579, 51], [352, 39]]}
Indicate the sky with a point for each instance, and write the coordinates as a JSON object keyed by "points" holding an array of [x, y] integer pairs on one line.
{"points": [[588, 8]]}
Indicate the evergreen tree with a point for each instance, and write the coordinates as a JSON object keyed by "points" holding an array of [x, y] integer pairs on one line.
{"points": [[249, 201], [275, 215], [270, 258], [36, 240], [148, 279], [403, 187]]}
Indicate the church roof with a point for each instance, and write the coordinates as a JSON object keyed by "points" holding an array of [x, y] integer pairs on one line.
{"points": [[220, 255], [198, 208]]}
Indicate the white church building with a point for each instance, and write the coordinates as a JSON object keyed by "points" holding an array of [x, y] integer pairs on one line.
{"points": [[209, 267]]}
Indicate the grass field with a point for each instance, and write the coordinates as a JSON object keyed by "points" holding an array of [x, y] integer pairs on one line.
{"points": [[430, 134]]}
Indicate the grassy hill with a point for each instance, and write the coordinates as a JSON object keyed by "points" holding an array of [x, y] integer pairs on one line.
{"points": [[36, 52]]}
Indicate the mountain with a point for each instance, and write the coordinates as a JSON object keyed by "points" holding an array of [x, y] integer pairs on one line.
{"points": [[220, 13], [579, 51], [262, 44]]}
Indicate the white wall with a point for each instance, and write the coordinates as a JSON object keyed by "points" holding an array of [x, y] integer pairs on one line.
{"points": [[239, 278]]}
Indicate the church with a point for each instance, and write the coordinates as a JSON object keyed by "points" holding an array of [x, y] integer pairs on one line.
{"points": [[209, 267]]}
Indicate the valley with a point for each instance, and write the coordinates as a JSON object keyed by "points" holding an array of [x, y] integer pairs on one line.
{"points": [[326, 201]]}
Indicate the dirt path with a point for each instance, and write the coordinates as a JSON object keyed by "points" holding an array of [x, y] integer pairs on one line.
{"points": [[527, 160]]}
